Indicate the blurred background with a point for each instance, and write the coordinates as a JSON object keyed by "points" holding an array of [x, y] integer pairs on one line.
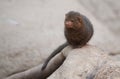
{"points": [[31, 29]]}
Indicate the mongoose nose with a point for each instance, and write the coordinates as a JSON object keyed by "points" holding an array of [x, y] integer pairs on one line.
{"points": [[68, 24]]}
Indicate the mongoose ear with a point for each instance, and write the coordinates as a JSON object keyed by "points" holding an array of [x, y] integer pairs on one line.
{"points": [[80, 19]]}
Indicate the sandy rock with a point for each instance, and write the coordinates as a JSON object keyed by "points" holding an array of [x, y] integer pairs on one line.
{"points": [[111, 70], [88, 62], [80, 62]]}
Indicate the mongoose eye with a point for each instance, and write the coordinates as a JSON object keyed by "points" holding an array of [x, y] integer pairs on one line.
{"points": [[72, 20]]}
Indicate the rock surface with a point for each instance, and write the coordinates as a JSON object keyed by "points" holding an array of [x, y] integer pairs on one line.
{"points": [[109, 71], [87, 62], [80, 63]]}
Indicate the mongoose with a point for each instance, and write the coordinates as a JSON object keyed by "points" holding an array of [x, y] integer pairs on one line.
{"points": [[78, 31]]}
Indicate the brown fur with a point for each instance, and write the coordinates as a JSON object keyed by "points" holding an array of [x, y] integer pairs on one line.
{"points": [[80, 33]]}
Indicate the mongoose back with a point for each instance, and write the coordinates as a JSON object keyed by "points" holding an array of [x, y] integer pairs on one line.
{"points": [[78, 31]]}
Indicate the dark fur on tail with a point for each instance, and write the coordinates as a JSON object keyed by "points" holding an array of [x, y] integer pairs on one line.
{"points": [[53, 54]]}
